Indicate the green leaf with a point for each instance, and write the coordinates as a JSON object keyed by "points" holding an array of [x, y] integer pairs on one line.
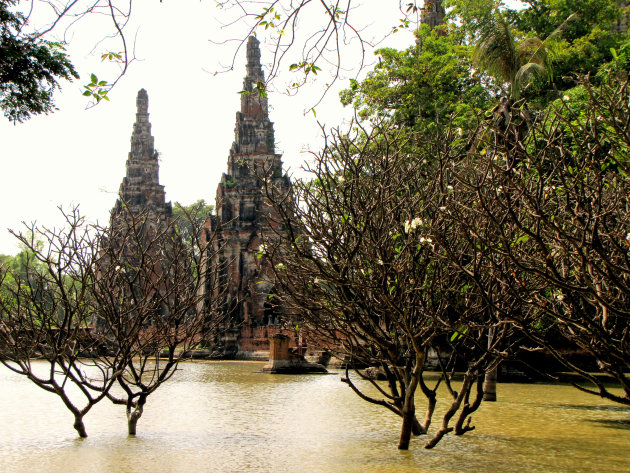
{"points": [[523, 239], [459, 333]]}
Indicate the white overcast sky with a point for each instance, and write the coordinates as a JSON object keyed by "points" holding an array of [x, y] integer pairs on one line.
{"points": [[77, 156]]}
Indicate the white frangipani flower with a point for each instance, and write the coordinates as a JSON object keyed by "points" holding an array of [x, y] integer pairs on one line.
{"points": [[411, 225]]}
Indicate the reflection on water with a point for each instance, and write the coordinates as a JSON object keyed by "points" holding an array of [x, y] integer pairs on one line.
{"points": [[614, 423], [229, 417]]}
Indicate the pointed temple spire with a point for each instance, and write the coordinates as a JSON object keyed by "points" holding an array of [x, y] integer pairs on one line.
{"points": [[433, 13], [140, 189], [254, 68], [254, 131], [241, 219], [142, 127], [253, 147]]}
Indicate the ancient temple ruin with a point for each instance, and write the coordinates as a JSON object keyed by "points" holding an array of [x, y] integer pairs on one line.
{"points": [[433, 13], [141, 233], [140, 190], [235, 232], [242, 217]]}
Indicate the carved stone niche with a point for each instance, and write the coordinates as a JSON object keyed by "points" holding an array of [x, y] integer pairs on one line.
{"points": [[248, 211], [226, 211]]}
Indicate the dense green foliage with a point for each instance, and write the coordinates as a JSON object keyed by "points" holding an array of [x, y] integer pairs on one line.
{"points": [[30, 67], [485, 51], [421, 86], [191, 216]]}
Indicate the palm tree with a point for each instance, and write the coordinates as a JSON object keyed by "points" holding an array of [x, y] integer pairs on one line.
{"points": [[514, 64], [508, 61], [511, 62]]}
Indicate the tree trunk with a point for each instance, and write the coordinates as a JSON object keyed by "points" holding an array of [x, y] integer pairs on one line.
{"points": [[134, 412], [410, 423], [468, 409], [432, 398], [417, 428], [409, 418], [490, 378], [457, 402], [490, 385], [79, 426], [132, 419]]}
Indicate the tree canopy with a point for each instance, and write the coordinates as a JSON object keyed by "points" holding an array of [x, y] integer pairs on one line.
{"points": [[30, 67]]}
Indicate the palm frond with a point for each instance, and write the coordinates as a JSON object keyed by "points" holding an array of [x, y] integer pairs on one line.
{"points": [[532, 50], [495, 51], [525, 75], [559, 31]]}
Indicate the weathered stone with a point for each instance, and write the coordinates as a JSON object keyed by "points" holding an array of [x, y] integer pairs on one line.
{"points": [[433, 13], [140, 190], [242, 218], [283, 360], [321, 357], [141, 207]]}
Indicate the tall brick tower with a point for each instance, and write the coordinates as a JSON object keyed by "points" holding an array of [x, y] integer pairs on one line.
{"points": [[241, 214], [433, 13], [141, 221], [140, 190]]}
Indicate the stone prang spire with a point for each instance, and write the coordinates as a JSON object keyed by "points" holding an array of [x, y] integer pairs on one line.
{"points": [[253, 131], [433, 13], [241, 221], [140, 189]]}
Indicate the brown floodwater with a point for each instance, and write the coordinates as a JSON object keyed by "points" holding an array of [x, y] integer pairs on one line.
{"points": [[229, 417]]}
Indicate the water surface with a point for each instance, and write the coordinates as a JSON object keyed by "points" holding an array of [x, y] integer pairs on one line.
{"points": [[229, 417]]}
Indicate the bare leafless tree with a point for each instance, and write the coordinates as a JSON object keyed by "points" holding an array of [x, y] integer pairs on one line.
{"points": [[148, 289], [46, 316], [104, 306], [550, 208], [311, 36], [359, 265]]}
